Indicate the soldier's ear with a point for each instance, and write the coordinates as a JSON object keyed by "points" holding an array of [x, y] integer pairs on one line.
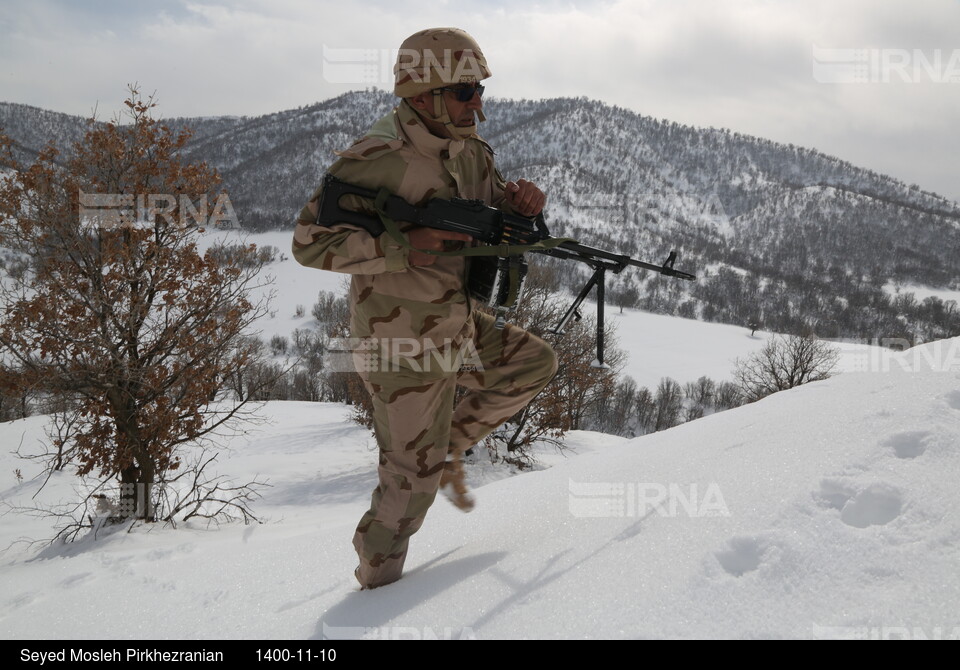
{"points": [[420, 101]]}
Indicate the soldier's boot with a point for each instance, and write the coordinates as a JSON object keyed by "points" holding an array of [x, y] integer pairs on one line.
{"points": [[454, 486]]}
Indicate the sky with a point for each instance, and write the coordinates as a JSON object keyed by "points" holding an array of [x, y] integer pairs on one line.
{"points": [[874, 82], [826, 511]]}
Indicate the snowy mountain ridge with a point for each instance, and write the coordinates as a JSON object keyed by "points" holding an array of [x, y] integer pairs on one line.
{"points": [[818, 238]]}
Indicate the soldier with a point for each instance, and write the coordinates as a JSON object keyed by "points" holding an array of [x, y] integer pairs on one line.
{"points": [[412, 303]]}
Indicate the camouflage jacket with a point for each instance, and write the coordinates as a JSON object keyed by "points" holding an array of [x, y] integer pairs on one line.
{"points": [[388, 297]]}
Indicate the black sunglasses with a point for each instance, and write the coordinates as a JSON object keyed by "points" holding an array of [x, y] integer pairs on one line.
{"points": [[465, 93]]}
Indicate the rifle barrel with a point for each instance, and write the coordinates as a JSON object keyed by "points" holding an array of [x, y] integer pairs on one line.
{"points": [[617, 262]]}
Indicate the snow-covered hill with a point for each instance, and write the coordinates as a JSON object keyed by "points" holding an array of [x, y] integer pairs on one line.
{"points": [[656, 345], [824, 511], [814, 239]]}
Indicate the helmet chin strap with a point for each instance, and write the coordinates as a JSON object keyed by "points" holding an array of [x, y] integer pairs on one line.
{"points": [[442, 115]]}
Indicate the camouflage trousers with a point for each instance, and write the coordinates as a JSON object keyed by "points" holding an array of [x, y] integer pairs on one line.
{"points": [[418, 428]]}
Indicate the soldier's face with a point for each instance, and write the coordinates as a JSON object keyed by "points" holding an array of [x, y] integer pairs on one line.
{"points": [[462, 113]]}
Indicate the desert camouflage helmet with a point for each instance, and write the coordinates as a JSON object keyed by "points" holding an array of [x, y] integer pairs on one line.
{"points": [[437, 57]]}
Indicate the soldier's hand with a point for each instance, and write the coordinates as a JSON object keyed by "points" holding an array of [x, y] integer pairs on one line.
{"points": [[431, 239], [525, 198]]}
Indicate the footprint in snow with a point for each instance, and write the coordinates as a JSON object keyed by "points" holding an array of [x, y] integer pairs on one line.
{"points": [[834, 494], [909, 444], [876, 505], [742, 555]]}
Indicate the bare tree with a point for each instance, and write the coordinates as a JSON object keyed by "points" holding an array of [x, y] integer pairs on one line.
{"points": [[615, 413], [669, 404], [728, 396], [699, 396], [645, 411], [785, 362], [120, 312]]}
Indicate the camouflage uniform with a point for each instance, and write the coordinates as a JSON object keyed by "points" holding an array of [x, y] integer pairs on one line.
{"points": [[426, 308]]}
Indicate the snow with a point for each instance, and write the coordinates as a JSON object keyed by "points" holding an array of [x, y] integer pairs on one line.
{"points": [[826, 511], [659, 346], [920, 292]]}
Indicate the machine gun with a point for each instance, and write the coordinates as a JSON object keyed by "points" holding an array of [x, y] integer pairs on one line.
{"points": [[498, 267]]}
